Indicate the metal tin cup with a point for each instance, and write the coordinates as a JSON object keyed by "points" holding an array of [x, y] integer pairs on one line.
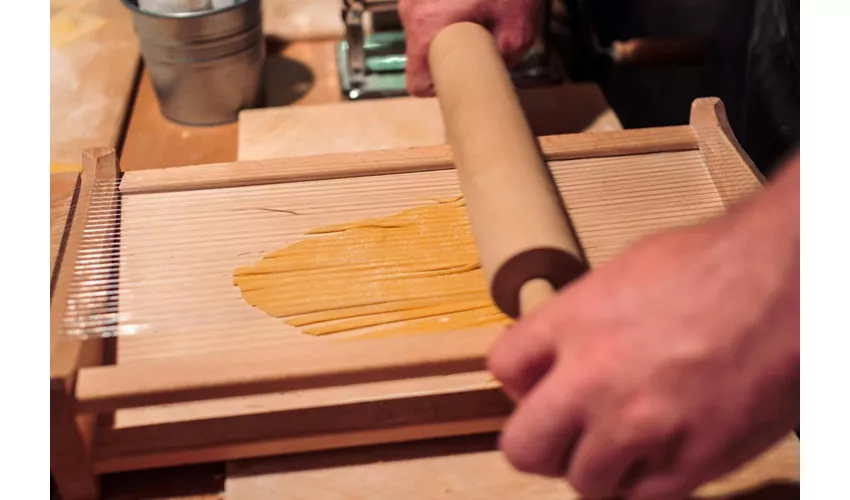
{"points": [[205, 66]]}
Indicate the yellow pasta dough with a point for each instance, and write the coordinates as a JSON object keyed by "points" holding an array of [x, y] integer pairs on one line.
{"points": [[414, 271]]}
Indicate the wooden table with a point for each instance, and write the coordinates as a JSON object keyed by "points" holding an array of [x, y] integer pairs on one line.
{"points": [[93, 68], [305, 73], [296, 74]]}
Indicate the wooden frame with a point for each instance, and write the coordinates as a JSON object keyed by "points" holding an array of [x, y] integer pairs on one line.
{"points": [[71, 432], [84, 385]]}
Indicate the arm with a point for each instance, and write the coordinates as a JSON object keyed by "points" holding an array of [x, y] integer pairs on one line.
{"points": [[672, 365], [511, 21]]}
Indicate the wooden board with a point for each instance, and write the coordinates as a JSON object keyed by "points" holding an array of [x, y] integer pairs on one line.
{"points": [[405, 122], [298, 420], [301, 73], [300, 20], [93, 64], [466, 468], [612, 202]]}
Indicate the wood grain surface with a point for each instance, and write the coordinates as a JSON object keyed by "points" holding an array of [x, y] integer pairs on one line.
{"points": [[397, 161], [154, 142], [612, 201], [300, 20], [187, 305], [301, 73], [405, 122], [466, 468], [203, 482], [71, 433], [93, 65]]}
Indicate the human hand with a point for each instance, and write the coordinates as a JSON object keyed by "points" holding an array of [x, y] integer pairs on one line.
{"points": [[668, 367], [512, 23]]}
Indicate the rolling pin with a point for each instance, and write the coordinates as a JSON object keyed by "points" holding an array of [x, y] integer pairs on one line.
{"points": [[525, 242]]}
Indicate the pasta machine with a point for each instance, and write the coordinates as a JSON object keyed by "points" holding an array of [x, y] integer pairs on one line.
{"points": [[371, 58]]}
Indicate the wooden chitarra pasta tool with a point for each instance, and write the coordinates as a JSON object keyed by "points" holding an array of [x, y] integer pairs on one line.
{"points": [[157, 360], [526, 245]]}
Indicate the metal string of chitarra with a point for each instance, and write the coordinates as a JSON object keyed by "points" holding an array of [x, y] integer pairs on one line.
{"points": [[95, 281]]}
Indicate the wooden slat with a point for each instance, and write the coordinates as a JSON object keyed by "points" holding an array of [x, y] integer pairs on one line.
{"points": [[70, 438], [731, 169], [560, 147], [402, 122], [257, 371], [67, 354], [407, 417], [299, 20]]}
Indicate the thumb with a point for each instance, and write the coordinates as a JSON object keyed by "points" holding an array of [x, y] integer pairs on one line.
{"points": [[514, 37], [417, 72]]}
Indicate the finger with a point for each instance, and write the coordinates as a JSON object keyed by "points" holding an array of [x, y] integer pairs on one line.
{"points": [[514, 36], [661, 487], [417, 72], [541, 434], [623, 450], [600, 463], [522, 356], [682, 469], [421, 22]]}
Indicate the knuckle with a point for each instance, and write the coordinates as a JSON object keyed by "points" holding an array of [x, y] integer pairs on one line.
{"points": [[518, 372], [524, 456], [595, 473], [517, 40], [585, 385], [512, 43], [501, 363], [648, 420]]}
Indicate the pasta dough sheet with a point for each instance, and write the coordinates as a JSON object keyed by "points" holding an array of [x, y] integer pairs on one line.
{"points": [[416, 271]]}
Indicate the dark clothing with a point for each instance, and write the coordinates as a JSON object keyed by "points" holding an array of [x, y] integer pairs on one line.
{"points": [[756, 71], [753, 66]]}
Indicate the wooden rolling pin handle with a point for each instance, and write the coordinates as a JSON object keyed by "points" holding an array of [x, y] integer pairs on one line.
{"points": [[554, 266], [517, 216], [533, 294]]}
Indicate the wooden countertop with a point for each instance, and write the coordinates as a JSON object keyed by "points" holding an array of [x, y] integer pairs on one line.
{"points": [[296, 74], [93, 67]]}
